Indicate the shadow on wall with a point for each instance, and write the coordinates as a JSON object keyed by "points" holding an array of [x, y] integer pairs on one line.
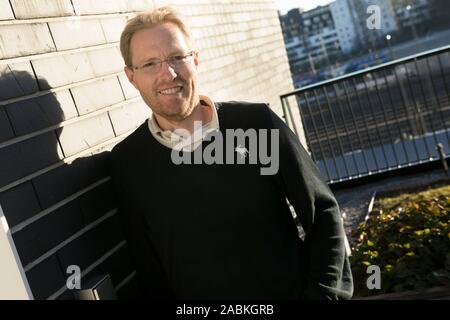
{"points": [[60, 209]]}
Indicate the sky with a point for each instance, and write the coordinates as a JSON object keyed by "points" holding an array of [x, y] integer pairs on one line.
{"points": [[285, 5]]}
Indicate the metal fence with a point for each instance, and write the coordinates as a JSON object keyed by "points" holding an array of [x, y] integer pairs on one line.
{"points": [[379, 119]]}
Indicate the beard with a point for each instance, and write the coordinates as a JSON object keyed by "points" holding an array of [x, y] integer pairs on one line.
{"points": [[176, 110]]}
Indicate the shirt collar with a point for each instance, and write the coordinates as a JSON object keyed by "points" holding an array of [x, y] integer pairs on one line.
{"points": [[169, 138]]}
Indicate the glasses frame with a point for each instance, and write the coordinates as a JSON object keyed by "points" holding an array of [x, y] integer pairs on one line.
{"points": [[170, 61]]}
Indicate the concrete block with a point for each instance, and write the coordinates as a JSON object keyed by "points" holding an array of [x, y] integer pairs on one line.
{"points": [[26, 157], [62, 182], [41, 112], [112, 28], [106, 61], [84, 33], [19, 203], [118, 265], [128, 89], [85, 134], [49, 231], [5, 10], [73, 67], [17, 79], [97, 202], [97, 95], [127, 117], [89, 247], [41, 8], [25, 39], [84, 7], [6, 131], [139, 5], [46, 278]]}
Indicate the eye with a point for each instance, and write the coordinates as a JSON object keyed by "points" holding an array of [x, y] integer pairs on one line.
{"points": [[177, 58], [150, 64]]}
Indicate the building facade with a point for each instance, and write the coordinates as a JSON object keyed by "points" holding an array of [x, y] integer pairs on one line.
{"points": [[309, 36], [342, 28], [371, 36], [413, 14], [344, 22]]}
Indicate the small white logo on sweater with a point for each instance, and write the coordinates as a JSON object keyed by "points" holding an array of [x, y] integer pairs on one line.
{"points": [[242, 151], [252, 146]]}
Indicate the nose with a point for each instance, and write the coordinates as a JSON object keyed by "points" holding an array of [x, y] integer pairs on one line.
{"points": [[168, 71]]}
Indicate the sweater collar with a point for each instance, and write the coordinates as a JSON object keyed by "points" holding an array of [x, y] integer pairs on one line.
{"points": [[170, 139]]}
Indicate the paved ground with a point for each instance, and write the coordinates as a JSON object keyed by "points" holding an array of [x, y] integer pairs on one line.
{"points": [[354, 201]]}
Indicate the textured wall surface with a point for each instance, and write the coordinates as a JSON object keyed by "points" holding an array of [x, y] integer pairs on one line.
{"points": [[64, 99]]}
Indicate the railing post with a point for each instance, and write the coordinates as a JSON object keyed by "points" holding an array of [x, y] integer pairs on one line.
{"points": [[440, 150], [285, 114]]}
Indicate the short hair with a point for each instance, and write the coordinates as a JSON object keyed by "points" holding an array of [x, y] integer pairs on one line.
{"points": [[148, 19]]}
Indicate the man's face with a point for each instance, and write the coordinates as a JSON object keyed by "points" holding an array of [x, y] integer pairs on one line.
{"points": [[160, 42]]}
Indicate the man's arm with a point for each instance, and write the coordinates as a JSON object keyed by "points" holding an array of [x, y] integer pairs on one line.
{"points": [[151, 278], [329, 275]]}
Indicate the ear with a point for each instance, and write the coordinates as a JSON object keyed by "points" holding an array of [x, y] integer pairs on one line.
{"points": [[130, 75], [196, 59]]}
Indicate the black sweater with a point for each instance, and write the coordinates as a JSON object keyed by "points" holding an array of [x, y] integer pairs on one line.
{"points": [[225, 231]]}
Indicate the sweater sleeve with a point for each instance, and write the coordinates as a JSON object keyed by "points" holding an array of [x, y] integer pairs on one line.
{"points": [[151, 278], [329, 275]]}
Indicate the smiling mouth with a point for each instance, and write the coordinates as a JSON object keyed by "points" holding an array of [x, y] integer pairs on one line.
{"points": [[169, 91]]}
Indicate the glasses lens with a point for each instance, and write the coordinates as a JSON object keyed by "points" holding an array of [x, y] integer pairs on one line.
{"points": [[175, 61]]}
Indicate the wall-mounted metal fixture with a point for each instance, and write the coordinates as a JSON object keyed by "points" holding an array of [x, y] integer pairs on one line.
{"points": [[97, 288]]}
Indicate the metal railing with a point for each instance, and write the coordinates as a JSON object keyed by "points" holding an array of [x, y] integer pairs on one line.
{"points": [[378, 119]]}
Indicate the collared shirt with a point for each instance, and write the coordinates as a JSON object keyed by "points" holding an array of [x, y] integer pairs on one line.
{"points": [[188, 142]]}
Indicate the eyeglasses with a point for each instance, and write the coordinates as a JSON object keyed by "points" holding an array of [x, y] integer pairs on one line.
{"points": [[154, 66]]}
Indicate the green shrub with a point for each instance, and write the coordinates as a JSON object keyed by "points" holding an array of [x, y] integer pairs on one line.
{"points": [[408, 237]]}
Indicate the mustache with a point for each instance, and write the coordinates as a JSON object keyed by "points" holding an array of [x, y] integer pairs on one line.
{"points": [[177, 81]]}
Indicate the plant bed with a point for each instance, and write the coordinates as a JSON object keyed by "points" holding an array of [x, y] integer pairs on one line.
{"points": [[407, 235]]}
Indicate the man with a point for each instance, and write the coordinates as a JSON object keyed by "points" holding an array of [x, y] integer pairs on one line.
{"points": [[220, 230]]}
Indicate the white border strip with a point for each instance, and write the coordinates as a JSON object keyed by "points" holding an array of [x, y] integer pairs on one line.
{"points": [[12, 275]]}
